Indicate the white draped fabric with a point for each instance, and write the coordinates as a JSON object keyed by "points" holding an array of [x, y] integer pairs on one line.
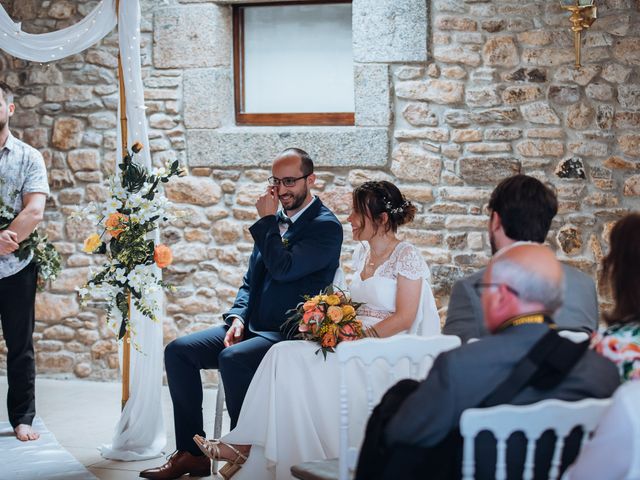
{"points": [[140, 432]]}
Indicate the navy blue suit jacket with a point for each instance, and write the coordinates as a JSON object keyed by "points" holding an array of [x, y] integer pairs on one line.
{"points": [[283, 269]]}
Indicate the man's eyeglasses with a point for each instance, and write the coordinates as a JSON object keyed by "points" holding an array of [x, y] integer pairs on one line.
{"points": [[480, 287], [286, 181]]}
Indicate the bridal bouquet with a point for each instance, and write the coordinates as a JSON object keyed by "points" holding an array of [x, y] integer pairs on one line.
{"points": [[327, 319], [45, 256], [136, 206]]}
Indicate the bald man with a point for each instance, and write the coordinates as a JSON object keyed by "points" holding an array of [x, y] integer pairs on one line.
{"points": [[520, 290], [296, 252]]}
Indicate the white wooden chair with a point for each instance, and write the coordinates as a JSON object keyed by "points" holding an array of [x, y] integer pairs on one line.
{"points": [[420, 353], [533, 420]]}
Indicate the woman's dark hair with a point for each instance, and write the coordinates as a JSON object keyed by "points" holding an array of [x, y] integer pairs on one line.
{"points": [[525, 206], [372, 199], [620, 270]]}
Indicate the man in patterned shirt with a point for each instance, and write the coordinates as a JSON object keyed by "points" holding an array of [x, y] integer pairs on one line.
{"points": [[24, 190]]}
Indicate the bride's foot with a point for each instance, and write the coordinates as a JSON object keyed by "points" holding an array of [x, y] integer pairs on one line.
{"points": [[235, 456], [25, 433]]}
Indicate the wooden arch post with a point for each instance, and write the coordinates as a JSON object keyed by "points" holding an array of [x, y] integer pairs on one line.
{"points": [[126, 340]]}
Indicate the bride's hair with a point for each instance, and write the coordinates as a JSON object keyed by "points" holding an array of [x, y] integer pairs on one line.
{"points": [[372, 199]]}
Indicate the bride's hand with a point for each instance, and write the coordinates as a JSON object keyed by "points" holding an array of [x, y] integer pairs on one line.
{"points": [[235, 333]]}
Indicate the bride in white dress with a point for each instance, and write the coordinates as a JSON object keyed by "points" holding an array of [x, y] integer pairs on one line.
{"points": [[291, 410]]}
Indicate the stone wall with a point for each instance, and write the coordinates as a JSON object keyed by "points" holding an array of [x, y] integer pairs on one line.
{"points": [[451, 97]]}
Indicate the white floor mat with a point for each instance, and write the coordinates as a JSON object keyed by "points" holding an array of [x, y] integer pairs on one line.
{"points": [[42, 459]]}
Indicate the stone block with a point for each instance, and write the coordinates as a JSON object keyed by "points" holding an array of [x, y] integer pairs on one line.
{"points": [[540, 148], [64, 94], [456, 23], [67, 133], [466, 135], [192, 36], [580, 116], [412, 162], [420, 115], [602, 92], [500, 52], [102, 58], [84, 159], [36, 137], [604, 117], [433, 90], [162, 121], [540, 112], [465, 55], [629, 96], [389, 31], [102, 120], [51, 308], [487, 170], [615, 73], [632, 186], [409, 73], [433, 134], [489, 147], [581, 76], [521, 94], [258, 146], [594, 149], [227, 231], [372, 95], [61, 10], [564, 94], [627, 51], [630, 144], [483, 97], [194, 190], [502, 133], [201, 108], [465, 118]]}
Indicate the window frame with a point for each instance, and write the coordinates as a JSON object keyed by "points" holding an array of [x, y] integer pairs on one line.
{"points": [[275, 119]]}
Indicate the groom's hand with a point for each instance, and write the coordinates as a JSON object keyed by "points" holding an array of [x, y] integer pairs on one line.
{"points": [[267, 203], [235, 334], [8, 242]]}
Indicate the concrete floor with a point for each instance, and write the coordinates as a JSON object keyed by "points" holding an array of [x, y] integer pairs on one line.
{"points": [[82, 415]]}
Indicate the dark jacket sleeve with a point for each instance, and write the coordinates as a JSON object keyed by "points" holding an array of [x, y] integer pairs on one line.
{"points": [[313, 250], [241, 302], [464, 318]]}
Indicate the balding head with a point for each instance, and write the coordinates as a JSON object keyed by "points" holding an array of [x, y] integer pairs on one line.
{"points": [[529, 279]]}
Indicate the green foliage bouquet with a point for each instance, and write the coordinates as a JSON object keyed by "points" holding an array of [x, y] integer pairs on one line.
{"points": [[136, 207]]}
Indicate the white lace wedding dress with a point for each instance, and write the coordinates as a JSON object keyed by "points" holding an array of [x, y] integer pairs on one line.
{"points": [[291, 411]]}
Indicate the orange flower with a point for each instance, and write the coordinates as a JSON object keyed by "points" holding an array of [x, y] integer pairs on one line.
{"points": [[309, 305], [335, 313], [115, 224], [348, 311], [136, 147], [312, 316], [348, 333], [333, 299], [329, 340], [162, 256]]}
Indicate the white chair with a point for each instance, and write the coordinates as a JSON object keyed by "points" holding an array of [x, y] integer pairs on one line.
{"points": [[532, 420], [420, 353]]}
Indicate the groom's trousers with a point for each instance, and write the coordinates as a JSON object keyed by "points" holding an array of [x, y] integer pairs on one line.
{"points": [[186, 356], [17, 313]]}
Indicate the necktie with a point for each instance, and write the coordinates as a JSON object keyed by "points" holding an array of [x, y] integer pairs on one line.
{"points": [[282, 218]]}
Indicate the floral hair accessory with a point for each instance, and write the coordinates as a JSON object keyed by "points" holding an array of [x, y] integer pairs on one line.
{"points": [[394, 210]]}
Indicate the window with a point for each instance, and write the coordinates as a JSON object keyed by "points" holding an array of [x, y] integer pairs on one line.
{"points": [[293, 63]]}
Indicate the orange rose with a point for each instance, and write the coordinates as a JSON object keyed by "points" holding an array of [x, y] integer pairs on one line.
{"points": [[312, 316], [309, 305], [348, 311], [348, 333], [335, 313], [116, 223], [162, 256], [329, 340]]}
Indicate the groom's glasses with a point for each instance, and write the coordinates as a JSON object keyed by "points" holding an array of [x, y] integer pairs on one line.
{"points": [[286, 181], [480, 287]]}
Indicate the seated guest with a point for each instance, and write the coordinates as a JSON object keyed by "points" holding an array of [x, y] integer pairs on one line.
{"points": [[521, 209], [614, 451], [519, 291], [620, 340]]}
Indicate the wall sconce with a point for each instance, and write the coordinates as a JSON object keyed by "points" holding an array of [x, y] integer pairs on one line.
{"points": [[583, 14]]}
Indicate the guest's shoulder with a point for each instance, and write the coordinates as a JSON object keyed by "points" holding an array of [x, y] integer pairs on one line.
{"points": [[31, 152], [471, 278], [575, 276], [324, 213]]}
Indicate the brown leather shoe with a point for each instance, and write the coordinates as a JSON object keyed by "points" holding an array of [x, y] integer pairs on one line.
{"points": [[180, 463]]}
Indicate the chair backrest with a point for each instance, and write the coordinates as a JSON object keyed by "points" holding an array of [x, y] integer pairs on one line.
{"points": [[533, 420], [370, 353]]}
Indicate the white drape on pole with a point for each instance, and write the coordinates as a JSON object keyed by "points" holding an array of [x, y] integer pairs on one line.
{"points": [[140, 432]]}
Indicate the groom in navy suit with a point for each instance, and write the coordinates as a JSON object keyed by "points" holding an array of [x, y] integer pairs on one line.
{"points": [[296, 252]]}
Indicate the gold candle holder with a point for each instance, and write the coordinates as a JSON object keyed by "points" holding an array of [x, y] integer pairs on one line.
{"points": [[583, 14]]}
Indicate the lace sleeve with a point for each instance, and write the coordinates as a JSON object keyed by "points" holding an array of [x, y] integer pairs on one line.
{"points": [[410, 263]]}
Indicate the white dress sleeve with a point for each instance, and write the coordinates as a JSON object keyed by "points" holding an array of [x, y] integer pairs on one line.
{"points": [[410, 263]]}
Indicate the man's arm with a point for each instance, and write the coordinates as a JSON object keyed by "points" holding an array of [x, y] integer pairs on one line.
{"points": [[241, 303], [30, 216], [312, 251], [463, 317]]}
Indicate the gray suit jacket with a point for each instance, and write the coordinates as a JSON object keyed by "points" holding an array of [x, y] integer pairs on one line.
{"points": [[462, 378], [579, 311]]}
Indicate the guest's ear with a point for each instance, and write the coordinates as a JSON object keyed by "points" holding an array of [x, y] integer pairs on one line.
{"points": [[311, 180], [384, 219], [495, 224]]}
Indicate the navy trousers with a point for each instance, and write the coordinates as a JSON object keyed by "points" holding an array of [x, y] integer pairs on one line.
{"points": [[17, 313], [186, 356]]}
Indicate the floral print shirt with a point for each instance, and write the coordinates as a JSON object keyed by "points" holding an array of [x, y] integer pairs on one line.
{"points": [[621, 344]]}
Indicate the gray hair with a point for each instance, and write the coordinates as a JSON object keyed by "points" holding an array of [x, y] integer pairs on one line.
{"points": [[530, 286]]}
